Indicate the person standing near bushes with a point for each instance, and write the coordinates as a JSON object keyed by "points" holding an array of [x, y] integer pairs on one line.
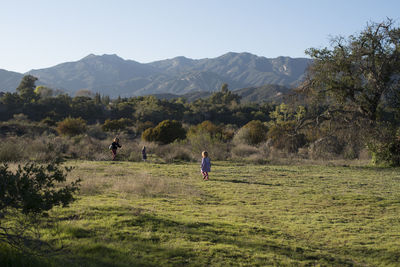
{"points": [[144, 155], [205, 165], [114, 146]]}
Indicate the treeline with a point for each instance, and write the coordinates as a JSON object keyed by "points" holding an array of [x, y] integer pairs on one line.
{"points": [[40, 104]]}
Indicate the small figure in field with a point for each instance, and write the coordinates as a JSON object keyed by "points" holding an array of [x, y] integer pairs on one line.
{"points": [[205, 165], [114, 146], [144, 155]]}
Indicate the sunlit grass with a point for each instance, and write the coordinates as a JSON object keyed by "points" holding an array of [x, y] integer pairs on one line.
{"points": [[147, 214]]}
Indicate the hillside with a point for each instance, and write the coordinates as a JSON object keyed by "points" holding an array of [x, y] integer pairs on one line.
{"points": [[266, 93], [113, 75], [9, 80]]}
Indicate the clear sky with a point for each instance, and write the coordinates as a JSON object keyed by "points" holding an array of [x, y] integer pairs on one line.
{"points": [[43, 33]]}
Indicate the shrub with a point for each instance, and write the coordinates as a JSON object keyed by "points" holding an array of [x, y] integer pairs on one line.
{"points": [[71, 126], [48, 121], [149, 135], [174, 152], [20, 117], [116, 125], [142, 126], [285, 138], [11, 150], [243, 150], [165, 132], [209, 128], [96, 131], [216, 148], [386, 153], [252, 133], [326, 148], [31, 191]]}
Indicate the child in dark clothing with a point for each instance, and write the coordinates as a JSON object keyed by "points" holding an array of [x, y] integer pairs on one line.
{"points": [[205, 165], [144, 155], [114, 146]]}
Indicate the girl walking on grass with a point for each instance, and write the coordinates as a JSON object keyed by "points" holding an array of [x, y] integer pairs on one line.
{"points": [[114, 146], [205, 165]]}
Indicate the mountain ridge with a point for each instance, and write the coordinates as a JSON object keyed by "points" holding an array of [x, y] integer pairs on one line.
{"points": [[112, 75]]}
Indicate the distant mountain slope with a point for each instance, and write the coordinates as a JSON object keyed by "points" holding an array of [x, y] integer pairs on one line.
{"points": [[112, 75], [92, 72], [266, 93], [243, 68], [9, 80]]}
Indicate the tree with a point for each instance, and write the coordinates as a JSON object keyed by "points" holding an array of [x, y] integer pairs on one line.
{"points": [[26, 195], [26, 88], [356, 82], [224, 96], [359, 74], [84, 93], [284, 127]]}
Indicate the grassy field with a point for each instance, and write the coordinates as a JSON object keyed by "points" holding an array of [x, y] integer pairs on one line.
{"points": [[145, 214]]}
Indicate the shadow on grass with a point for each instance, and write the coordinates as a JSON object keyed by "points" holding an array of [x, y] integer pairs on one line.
{"points": [[10, 258], [236, 181], [227, 236], [150, 240]]}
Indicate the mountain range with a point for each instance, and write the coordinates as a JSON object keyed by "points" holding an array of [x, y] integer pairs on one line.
{"points": [[114, 76]]}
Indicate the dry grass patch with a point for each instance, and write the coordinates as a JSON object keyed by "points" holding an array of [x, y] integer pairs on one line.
{"points": [[118, 177]]}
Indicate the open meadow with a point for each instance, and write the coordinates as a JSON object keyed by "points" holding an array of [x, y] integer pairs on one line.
{"points": [[149, 214]]}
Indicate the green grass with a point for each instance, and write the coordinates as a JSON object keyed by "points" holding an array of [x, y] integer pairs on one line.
{"points": [[145, 214]]}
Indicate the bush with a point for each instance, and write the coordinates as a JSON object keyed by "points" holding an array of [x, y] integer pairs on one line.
{"points": [[283, 137], [326, 148], [71, 126], [217, 149], [386, 153], [174, 152], [11, 150], [116, 125], [165, 132], [40, 149], [31, 191], [96, 131], [217, 132], [252, 133]]}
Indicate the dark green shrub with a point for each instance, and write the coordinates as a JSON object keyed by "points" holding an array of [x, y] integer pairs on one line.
{"points": [[32, 190], [116, 125], [165, 132], [386, 153]]}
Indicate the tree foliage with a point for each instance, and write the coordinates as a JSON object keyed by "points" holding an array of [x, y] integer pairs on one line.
{"points": [[26, 195], [359, 74], [26, 88], [284, 127], [355, 85]]}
